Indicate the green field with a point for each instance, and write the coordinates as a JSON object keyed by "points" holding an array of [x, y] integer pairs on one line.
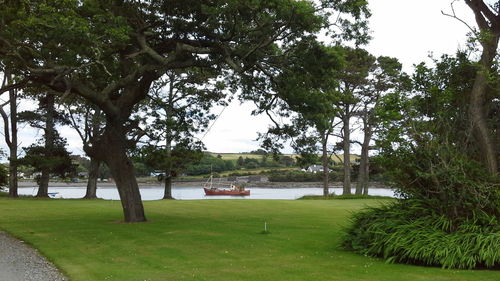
{"points": [[205, 240], [235, 156]]}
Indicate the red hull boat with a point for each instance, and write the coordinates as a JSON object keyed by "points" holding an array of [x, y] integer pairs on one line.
{"points": [[233, 189], [217, 191]]}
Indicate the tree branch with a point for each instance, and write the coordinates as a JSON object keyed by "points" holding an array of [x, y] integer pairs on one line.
{"points": [[6, 128], [454, 15]]}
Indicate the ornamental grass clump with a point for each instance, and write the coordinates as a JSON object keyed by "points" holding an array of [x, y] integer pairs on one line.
{"points": [[408, 232]]}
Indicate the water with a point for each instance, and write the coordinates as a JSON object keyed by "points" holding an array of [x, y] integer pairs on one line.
{"points": [[196, 192]]}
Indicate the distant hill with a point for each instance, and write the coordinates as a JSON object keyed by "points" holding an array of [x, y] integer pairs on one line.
{"points": [[235, 156]]}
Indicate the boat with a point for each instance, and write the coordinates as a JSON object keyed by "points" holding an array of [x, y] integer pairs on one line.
{"points": [[54, 195], [233, 189]]}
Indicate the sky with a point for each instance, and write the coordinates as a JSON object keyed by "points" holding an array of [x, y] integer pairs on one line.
{"points": [[406, 29]]}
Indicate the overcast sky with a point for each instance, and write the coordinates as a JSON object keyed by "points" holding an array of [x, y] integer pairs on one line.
{"points": [[406, 29]]}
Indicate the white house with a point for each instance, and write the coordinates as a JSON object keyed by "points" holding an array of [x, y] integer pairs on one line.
{"points": [[314, 169]]}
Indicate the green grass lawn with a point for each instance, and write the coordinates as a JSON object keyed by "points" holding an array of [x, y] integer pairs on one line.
{"points": [[205, 240]]}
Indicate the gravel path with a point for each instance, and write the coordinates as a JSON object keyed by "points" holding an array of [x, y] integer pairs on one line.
{"points": [[19, 262]]}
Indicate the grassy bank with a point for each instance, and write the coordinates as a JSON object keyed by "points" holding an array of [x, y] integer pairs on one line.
{"points": [[343, 197], [205, 240]]}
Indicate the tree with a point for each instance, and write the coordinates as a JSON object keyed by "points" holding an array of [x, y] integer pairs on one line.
{"points": [[287, 160], [307, 87], [385, 75], [240, 162], [428, 157], [88, 120], [178, 108], [206, 164], [424, 146], [488, 22], [49, 158], [60, 44], [10, 121], [353, 79], [259, 151]]}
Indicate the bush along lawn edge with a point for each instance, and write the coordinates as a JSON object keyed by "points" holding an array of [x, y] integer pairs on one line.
{"points": [[406, 231]]}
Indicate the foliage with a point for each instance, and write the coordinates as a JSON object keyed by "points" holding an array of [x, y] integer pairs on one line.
{"points": [[57, 160], [254, 163], [180, 158], [178, 107], [286, 160], [425, 147], [451, 203], [299, 176], [408, 231], [259, 151], [4, 175], [446, 179], [209, 164], [376, 171], [305, 93]]}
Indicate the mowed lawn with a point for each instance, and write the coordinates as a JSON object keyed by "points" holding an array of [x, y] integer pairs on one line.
{"points": [[205, 240]]}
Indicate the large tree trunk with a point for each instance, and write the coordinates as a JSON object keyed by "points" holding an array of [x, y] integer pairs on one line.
{"points": [[43, 184], [168, 171], [168, 144], [13, 182], [10, 135], [114, 148], [347, 153], [477, 111], [91, 192], [362, 184], [43, 188], [324, 159], [13, 185], [168, 185], [488, 21]]}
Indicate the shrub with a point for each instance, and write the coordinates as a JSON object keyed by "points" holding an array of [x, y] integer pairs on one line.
{"points": [[409, 232]]}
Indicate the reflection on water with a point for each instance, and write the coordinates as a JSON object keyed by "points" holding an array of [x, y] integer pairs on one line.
{"points": [[196, 192]]}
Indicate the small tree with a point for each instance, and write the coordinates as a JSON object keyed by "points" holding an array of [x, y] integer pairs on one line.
{"points": [[177, 109], [54, 160], [240, 162], [46, 159]]}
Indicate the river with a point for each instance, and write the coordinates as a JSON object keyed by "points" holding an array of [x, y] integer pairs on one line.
{"points": [[196, 192]]}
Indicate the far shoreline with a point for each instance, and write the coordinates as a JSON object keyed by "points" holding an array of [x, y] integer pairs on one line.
{"points": [[177, 184]]}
